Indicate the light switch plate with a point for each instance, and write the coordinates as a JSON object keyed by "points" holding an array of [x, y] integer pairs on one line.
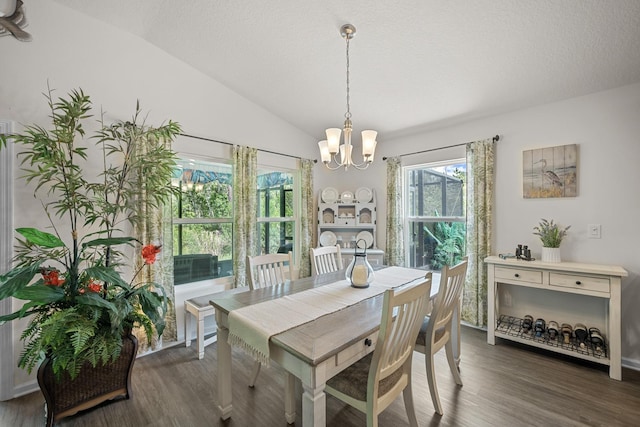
{"points": [[593, 231]]}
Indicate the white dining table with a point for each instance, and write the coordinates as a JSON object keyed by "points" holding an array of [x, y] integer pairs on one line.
{"points": [[312, 352]]}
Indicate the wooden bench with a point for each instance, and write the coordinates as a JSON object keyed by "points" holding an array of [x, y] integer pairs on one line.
{"points": [[199, 308]]}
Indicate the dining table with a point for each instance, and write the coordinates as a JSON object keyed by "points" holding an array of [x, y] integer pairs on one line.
{"points": [[316, 349]]}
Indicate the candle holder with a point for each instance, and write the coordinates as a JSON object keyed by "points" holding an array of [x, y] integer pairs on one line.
{"points": [[359, 272]]}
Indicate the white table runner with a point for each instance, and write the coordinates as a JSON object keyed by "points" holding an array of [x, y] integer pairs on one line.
{"points": [[251, 327]]}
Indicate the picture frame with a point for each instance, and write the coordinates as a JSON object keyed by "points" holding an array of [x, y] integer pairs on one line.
{"points": [[550, 172]]}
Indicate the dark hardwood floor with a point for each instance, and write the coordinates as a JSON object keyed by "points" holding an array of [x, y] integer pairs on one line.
{"points": [[504, 385]]}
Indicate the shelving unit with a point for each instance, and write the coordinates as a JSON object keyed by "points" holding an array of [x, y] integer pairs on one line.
{"points": [[349, 219], [565, 292]]}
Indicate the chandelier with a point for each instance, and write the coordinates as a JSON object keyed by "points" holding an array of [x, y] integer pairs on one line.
{"points": [[330, 147]]}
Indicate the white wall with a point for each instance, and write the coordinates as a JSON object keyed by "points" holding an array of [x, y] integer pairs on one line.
{"points": [[70, 51], [606, 128]]}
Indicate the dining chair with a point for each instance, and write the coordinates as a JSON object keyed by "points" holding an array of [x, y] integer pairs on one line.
{"points": [[435, 331], [264, 271], [268, 270], [375, 381], [325, 259]]}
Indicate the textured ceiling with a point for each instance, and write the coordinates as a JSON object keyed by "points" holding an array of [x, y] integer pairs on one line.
{"points": [[415, 64]]}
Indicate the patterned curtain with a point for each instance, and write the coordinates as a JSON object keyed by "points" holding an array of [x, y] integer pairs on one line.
{"points": [[154, 227], [394, 254], [480, 186], [306, 215], [245, 183]]}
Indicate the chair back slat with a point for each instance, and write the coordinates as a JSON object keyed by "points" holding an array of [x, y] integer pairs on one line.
{"points": [[402, 314], [325, 259], [269, 270], [452, 281]]}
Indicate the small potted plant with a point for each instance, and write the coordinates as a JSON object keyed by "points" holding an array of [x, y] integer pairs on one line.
{"points": [[551, 235]]}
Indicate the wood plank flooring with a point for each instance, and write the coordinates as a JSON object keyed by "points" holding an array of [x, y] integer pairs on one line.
{"points": [[504, 385]]}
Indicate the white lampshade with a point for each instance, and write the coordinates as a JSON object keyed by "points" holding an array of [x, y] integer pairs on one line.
{"points": [[324, 151], [368, 142], [333, 139]]}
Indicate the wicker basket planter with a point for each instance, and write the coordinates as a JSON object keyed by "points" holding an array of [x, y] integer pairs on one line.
{"points": [[92, 386]]}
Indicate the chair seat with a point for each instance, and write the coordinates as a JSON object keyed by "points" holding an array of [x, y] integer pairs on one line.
{"points": [[353, 380], [422, 335]]}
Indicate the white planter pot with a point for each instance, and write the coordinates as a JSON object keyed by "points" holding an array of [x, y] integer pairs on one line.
{"points": [[551, 255]]}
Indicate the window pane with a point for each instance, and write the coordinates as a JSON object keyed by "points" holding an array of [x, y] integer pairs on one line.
{"points": [[275, 206], [206, 251], [276, 237], [436, 191], [206, 190], [435, 244], [432, 192], [202, 230]]}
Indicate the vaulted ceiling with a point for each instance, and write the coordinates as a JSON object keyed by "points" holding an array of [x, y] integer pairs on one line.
{"points": [[415, 64]]}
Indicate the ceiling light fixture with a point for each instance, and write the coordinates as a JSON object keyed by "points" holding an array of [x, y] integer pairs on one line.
{"points": [[330, 147]]}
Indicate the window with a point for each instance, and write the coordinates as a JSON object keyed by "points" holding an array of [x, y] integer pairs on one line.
{"points": [[435, 223], [202, 221], [276, 218]]}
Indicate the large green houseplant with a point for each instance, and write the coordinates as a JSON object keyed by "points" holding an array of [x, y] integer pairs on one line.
{"points": [[71, 277]]}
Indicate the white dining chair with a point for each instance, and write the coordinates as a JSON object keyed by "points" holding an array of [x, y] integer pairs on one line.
{"points": [[375, 381], [325, 259], [263, 271], [435, 331]]}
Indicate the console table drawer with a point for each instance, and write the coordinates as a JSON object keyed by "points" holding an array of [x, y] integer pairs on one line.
{"points": [[523, 275], [595, 284]]}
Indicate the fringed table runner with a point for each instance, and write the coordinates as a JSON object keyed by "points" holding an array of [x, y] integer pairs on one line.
{"points": [[251, 327]]}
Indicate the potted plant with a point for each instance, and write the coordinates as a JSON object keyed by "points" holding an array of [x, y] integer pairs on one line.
{"points": [[81, 309], [551, 235]]}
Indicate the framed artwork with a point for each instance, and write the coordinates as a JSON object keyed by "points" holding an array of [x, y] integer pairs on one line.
{"points": [[550, 172]]}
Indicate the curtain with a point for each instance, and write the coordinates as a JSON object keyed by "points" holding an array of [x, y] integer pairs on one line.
{"points": [[480, 187], [154, 227], [245, 183], [394, 254], [306, 215]]}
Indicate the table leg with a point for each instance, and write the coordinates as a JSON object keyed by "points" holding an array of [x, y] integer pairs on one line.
{"points": [[314, 406], [290, 398], [224, 372]]}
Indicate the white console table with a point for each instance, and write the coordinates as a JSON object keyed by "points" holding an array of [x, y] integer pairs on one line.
{"points": [[566, 292]]}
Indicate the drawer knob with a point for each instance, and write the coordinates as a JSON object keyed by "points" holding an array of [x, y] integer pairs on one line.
{"points": [[516, 275], [367, 342], [578, 282]]}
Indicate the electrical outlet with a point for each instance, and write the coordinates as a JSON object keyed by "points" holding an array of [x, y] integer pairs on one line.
{"points": [[593, 231]]}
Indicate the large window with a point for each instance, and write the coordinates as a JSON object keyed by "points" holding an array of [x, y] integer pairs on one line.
{"points": [[434, 197], [276, 217], [202, 221]]}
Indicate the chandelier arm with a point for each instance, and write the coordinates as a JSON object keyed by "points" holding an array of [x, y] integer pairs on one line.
{"points": [[334, 160]]}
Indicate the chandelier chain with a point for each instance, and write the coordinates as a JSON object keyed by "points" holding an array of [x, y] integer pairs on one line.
{"points": [[347, 115]]}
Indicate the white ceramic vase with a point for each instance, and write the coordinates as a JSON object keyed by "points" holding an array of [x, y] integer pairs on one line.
{"points": [[551, 255]]}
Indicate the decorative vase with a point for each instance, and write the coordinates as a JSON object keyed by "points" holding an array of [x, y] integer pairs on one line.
{"points": [[92, 386], [551, 254]]}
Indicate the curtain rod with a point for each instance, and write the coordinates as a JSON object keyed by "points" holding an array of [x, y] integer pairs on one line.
{"points": [[495, 139], [229, 143]]}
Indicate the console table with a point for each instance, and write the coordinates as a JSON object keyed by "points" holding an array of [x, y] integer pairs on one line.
{"points": [[565, 292]]}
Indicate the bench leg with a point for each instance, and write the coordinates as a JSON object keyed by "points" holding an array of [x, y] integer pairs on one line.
{"points": [[187, 328], [200, 335]]}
